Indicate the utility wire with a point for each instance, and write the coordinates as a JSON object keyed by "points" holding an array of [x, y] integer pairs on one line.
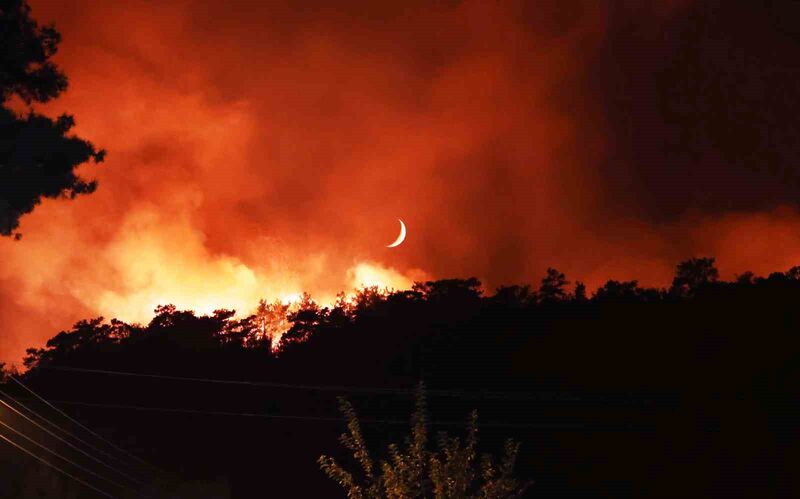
{"points": [[70, 461], [519, 396], [137, 459], [48, 463], [62, 430], [180, 410], [268, 384], [70, 444]]}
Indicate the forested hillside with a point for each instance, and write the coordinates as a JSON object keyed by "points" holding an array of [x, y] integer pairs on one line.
{"points": [[627, 392]]}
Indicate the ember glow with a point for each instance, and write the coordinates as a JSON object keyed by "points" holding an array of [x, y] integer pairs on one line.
{"points": [[260, 150]]}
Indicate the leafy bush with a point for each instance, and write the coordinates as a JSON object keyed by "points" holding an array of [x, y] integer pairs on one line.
{"points": [[413, 471]]}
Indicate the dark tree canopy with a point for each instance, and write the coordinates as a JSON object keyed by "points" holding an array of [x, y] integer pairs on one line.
{"points": [[514, 296], [650, 377], [580, 291], [692, 274], [27, 49], [37, 156], [553, 284]]}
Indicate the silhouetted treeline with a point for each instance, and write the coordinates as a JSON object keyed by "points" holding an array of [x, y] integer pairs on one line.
{"points": [[684, 391]]}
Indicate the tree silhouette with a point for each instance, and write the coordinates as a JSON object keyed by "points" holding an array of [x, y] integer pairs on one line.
{"points": [[272, 321], [514, 296], [692, 274], [580, 291], [305, 320], [552, 287], [367, 299], [27, 49], [625, 291], [37, 156], [449, 290]]}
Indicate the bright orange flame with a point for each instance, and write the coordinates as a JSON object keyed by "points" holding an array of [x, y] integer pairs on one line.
{"points": [[369, 274], [291, 298]]}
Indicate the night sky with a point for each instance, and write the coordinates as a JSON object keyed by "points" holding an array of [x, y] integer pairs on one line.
{"points": [[261, 150]]}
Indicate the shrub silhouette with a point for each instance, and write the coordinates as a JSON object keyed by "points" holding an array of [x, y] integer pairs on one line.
{"points": [[413, 471]]}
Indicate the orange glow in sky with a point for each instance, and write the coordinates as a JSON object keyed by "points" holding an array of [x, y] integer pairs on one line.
{"points": [[262, 152]]}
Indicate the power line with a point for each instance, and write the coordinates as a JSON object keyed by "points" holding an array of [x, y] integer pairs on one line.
{"points": [[181, 410], [51, 451], [48, 463], [62, 430], [70, 444], [137, 459], [518, 396], [267, 384]]}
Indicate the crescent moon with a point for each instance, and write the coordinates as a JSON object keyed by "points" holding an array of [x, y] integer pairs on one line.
{"points": [[401, 237]]}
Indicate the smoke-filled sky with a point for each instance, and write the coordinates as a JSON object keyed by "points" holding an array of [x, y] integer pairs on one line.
{"points": [[260, 149]]}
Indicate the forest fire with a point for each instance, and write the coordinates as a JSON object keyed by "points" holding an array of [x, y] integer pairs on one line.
{"points": [[599, 233], [240, 169]]}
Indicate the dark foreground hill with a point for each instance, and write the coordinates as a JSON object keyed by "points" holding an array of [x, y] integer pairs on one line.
{"points": [[685, 392]]}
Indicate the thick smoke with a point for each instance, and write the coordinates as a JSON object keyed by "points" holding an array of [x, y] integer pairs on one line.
{"points": [[260, 150]]}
